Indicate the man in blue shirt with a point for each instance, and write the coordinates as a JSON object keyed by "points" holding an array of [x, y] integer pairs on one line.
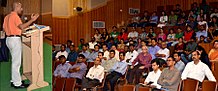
{"points": [[85, 51], [116, 72], [62, 69], [78, 70], [154, 48], [179, 64], [72, 56], [94, 54]]}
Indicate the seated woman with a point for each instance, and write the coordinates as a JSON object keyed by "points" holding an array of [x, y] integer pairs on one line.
{"points": [[123, 35], [105, 35], [162, 35], [97, 35], [163, 19], [213, 54], [180, 46], [121, 45], [151, 34], [203, 56], [172, 19], [171, 38]]}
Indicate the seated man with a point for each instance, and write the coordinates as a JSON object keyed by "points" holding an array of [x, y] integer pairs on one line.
{"points": [[144, 60], [62, 69], [164, 52], [197, 69], [108, 64], [179, 64], [78, 70], [133, 34], [72, 55], [94, 54], [116, 72], [152, 77], [131, 55], [61, 52], [170, 77], [153, 48], [94, 76], [85, 51]]}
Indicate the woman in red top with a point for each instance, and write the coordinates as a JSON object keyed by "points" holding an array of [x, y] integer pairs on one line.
{"points": [[188, 34], [123, 35]]}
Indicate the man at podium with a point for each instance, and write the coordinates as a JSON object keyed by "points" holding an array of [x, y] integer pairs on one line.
{"points": [[13, 27]]}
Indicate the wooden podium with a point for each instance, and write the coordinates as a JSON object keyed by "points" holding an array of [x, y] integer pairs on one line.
{"points": [[32, 43]]}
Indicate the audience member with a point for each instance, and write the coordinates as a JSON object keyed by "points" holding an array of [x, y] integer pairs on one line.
{"points": [[91, 57], [213, 54], [170, 77], [143, 34], [179, 63], [162, 35], [116, 72], [108, 64], [85, 51], [97, 35], [197, 70], [62, 69], [163, 19], [153, 76], [163, 52], [78, 70], [153, 20], [123, 35], [69, 42], [153, 49], [203, 56], [72, 56], [105, 35], [131, 55], [172, 19], [133, 34], [94, 76], [92, 43], [143, 65], [62, 52]]}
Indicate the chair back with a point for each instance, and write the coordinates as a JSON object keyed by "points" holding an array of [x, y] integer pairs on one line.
{"points": [[144, 89], [59, 84], [70, 84], [190, 85], [128, 88], [209, 86]]}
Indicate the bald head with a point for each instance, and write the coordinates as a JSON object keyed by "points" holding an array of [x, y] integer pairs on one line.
{"points": [[17, 7]]}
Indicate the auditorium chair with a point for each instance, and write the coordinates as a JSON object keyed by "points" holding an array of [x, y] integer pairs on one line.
{"points": [[144, 89], [128, 88], [209, 86], [190, 85], [121, 81], [101, 85], [69, 84], [58, 84], [90, 64]]}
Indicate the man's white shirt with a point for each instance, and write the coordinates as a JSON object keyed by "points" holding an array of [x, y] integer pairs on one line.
{"points": [[197, 72]]}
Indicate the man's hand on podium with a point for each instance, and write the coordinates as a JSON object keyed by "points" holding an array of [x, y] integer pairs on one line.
{"points": [[34, 17]]}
